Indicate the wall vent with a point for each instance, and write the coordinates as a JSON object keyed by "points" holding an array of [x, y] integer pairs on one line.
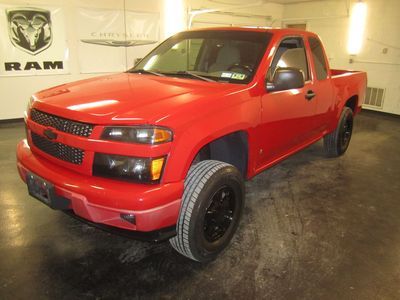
{"points": [[374, 97]]}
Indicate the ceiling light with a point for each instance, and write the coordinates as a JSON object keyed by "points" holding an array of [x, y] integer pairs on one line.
{"points": [[356, 28]]}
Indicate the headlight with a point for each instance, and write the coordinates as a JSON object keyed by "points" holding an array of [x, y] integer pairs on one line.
{"points": [[137, 134], [145, 170]]}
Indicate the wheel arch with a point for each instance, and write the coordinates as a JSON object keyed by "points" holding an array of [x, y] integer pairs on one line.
{"points": [[229, 146], [352, 102]]}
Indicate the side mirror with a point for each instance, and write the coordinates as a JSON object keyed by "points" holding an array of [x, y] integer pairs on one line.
{"points": [[286, 79]]}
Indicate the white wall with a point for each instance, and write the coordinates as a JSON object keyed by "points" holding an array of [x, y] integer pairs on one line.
{"points": [[382, 31], [328, 18], [241, 13], [15, 91]]}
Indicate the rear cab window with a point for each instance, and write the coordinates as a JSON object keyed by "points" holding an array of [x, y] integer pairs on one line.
{"points": [[321, 69]]}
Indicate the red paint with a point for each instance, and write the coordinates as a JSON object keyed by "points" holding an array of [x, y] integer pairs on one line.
{"points": [[198, 112]]}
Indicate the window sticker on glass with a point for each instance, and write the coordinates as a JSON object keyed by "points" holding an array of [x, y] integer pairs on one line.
{"points": [[238, 76], [226, 75]]}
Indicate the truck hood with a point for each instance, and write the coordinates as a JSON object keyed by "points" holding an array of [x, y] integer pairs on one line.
{"points": [[127, 98]]}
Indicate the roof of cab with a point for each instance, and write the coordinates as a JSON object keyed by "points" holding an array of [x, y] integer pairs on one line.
{"points": [[280, 31]]}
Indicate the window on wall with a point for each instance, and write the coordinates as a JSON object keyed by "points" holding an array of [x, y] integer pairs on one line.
{"points": [[321, 68], [290, 54]]}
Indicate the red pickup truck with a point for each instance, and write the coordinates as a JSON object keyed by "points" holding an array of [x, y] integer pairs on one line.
{"points": [[162, 150]]}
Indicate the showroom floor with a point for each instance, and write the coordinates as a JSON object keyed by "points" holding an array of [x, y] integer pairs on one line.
{"points": [[313, 228]]}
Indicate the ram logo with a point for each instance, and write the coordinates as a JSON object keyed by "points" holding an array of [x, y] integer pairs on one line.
{"points": [[30, 29]]}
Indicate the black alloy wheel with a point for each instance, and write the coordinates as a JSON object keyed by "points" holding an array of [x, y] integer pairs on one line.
{"points": [[337, 142], [345, 133], [219, 214], [211, 208]]}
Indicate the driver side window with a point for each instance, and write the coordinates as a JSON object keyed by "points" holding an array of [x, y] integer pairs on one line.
{"points": [[291, 53]]}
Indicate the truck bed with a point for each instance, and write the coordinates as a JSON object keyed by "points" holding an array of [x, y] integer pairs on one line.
{"points": [[349, 83], [339, 72]]}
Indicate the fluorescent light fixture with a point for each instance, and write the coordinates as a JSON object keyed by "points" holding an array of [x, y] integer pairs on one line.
{"points": [[356, 29], [174, 17]]}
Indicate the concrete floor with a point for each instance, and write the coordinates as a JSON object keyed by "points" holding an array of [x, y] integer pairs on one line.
{"points": [[313, 228]]}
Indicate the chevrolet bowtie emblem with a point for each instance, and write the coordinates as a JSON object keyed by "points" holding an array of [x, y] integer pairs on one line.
{"points": [[50, 134]]}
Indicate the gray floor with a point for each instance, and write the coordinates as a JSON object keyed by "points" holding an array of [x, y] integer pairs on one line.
{"points": [[313, 228]]}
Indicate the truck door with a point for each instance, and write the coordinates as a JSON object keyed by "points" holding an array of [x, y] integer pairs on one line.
{"points": [[322, 85], [287, 116]]}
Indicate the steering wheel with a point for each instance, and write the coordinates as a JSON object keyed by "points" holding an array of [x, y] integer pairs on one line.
{"points": [[241, 66]]}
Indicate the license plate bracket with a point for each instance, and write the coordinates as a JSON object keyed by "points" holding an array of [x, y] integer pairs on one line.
{"points": [[44, 191]]}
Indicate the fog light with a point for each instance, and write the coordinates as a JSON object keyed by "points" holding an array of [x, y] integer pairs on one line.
{"points": [[129, 218]]}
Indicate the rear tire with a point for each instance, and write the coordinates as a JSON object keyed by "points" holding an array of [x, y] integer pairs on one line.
{"points": [[337, 142], [212, 206]]}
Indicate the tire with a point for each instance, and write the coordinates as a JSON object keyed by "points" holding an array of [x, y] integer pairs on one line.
{"points": [[337, 142], [211, 209]]}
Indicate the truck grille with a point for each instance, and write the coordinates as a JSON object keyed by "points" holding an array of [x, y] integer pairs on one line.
{"points": [[61, 124], [58, 150]]}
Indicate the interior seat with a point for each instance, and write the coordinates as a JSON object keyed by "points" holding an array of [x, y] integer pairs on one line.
{"points": [[227, 56]]}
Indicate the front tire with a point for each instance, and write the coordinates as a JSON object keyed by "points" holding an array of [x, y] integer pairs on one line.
{"points": [[337, 142], [212, 206]]}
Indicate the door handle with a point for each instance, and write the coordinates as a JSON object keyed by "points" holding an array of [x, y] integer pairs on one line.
{"points": [[310, 94]]}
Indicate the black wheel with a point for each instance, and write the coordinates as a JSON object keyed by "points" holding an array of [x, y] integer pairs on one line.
{"points": [[337, 142], [211, 208]]}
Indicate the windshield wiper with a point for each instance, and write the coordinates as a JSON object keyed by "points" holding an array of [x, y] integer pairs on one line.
{"points": [[192, 75], [143, 71]]}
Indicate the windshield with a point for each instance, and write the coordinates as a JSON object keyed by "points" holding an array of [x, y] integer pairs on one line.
{"points": [[223, 56]]}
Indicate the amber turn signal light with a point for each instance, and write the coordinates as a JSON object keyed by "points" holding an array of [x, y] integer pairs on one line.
{"points": [[156, 168]]}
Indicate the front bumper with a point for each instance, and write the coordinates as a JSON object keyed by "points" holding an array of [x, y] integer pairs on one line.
{"points": [[102, 200]]}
